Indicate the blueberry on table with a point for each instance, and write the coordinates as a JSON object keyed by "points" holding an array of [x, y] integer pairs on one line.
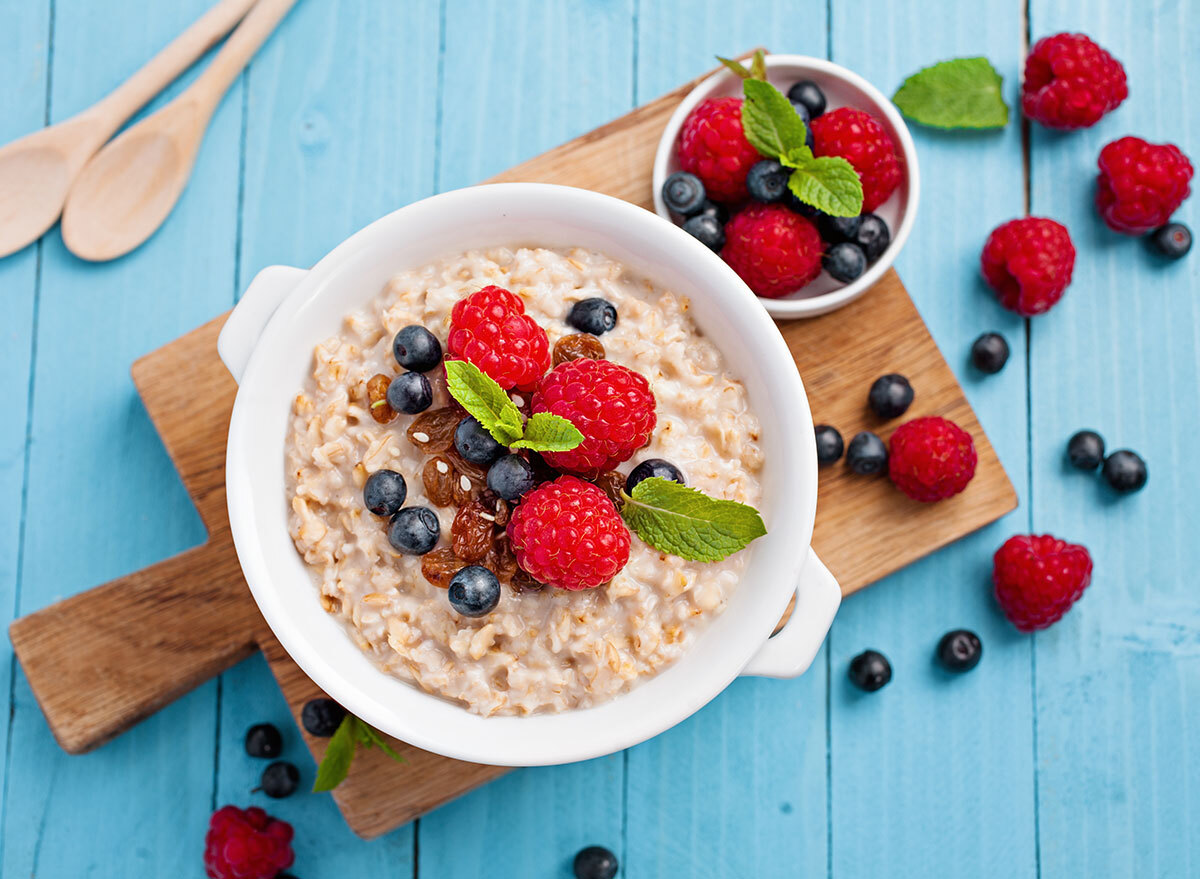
{"points": [[683, 193], [595, 315], [321, 717], [653, 467], [263, 740], [1173, 240], [835, 229], [414, 530], [595, 862], [475, 444], [510, 477], [767, 181], [989, 353], [1085, 450], [829, 444], [279, 780], [873, 236], [870, 671], [384, 492], [410, 392], [706, 229], [417, 349], [959, 650], [809, 94], [866, 455], [1125, 471], [474, 591], [890, 395], [845, 262]]}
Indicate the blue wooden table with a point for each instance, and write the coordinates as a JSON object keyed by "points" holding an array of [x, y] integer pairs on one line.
{"points": [[1073, 752]]}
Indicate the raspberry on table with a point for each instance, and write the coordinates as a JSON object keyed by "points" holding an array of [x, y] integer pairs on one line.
{"points": [[491, 330], [568, 533], [859, 139], [1038, 577], [931, 458], [773, 249], [246, 844], [1070, 82], [611, 405], [713, 146], [1140, 184], [1028, 262]]}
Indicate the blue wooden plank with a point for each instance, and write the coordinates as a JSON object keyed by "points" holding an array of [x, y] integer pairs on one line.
{"points": [[940, 769], [1118, 680]]}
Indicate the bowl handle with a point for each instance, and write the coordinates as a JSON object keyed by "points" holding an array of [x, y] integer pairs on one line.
{"points": [[792, 649], [250, 316]]}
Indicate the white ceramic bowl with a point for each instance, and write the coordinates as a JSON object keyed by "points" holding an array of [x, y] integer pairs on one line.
{"points": [[843, 88], [267, 345]]}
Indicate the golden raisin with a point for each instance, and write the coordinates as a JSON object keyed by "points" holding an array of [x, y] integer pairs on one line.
{"points": [[377, 386], [496, 505], [578, 346], [433, 431], [439, 477], [501, 560], [612, 484], [440, 565], [522, 582], [472, 533]]}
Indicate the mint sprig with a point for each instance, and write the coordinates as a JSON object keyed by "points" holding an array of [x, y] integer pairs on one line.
{"points": [[758, 66], [769, 120], [688, 523], [547, 432], [339, 753], [960, 93]]}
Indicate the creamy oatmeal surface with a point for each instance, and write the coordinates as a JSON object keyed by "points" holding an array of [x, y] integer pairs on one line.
{"points": [[538, 651]]}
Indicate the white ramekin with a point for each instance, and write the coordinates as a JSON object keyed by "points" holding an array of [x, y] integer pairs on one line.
{"points": [[267, 345], [843, 88]]}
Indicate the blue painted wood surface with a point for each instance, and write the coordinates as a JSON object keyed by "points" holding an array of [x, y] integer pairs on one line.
{"points": [[1072, 752]]}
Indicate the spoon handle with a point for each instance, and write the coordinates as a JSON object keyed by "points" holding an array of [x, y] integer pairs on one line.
{"points": [[258, 24]]}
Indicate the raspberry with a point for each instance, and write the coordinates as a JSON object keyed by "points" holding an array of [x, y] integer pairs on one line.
{"points": [[713, 147], [930, 459], [568, 533], [863, 142], [246, 844], [1140, 184], [490, 329], [1070, 82], [774, 250], [611, 405], [1028, 262], [1038, 578]]}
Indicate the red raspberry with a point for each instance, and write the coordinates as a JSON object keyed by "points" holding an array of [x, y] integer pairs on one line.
{"points": [[567, 533], [1038, 578], [490, 329], [930, 459], [862, 141], [246, 844], [774, 250], [713, 147], [1028, 262], [1140, 184], [1070, 82], [612, 406]]}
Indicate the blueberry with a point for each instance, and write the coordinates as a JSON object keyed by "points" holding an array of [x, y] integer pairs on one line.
{"points": [[835, 229], [866, 455], [263, 740], [829, 444], [767, 180], [653, 467], [417, 349], [414, 530], [890, 395], [793, 203], [384, 492], [809, 94], [474, 591], [802, 112], [1085, 450], [596, 316], [279, 780], [1125, 471], [706, 229], [872, 236], [959, 650], [475, 444], [410, 392], [595, 862], [321, 717], [714, 210], [989, 353], [1172, 240], [683, 193], [870, 671], [844, 261], [510, 477]]}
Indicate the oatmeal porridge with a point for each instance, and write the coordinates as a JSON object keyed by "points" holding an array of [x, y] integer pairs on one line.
{"points": [[540, 648]]}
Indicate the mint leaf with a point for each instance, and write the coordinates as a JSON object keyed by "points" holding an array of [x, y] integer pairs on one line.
{"points": [[758, 66], [369, 736], [769, 120], [961, 93], [828, 183], [688, 523], [484, 399], [339, 753], [736, 66], [547, 432]]}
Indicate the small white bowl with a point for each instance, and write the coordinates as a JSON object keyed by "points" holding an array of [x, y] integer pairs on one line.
{"points": [[842, 88]]}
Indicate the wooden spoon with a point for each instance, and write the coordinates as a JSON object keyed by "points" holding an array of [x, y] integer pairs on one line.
{"points": [[37, 171], [128, 188]]}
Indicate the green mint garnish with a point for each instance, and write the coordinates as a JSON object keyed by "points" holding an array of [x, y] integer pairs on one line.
{"points": [[769, 120], [339, 753], [688, 523], [758, 66], [962, 93], [546, 432]]}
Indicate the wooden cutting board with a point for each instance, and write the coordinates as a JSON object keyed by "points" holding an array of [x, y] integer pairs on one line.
{"points": [[103, 660]]}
